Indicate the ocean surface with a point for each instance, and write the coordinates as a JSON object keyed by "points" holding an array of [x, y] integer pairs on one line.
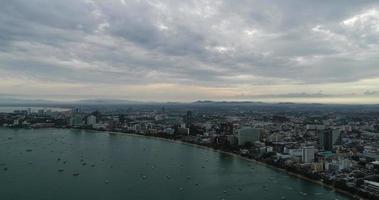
{"points": [[57, 164]]}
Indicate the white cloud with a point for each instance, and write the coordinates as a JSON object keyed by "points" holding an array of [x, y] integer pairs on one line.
{"points": [[368, 18], [237, 47]]}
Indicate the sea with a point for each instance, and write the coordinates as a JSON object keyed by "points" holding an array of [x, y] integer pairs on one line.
{"points": [[61, 164]]}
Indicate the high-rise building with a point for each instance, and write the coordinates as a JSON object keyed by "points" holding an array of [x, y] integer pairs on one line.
{"points": [[249, 135], [226, 128], [329, 138], [41, 112], [98, 116], [308, 154], [188, 119], [76, 120], [336, 137], [91, 120], [325, 140]]}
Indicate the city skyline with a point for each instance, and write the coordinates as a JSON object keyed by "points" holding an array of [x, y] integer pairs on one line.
{"points": [[161, 50]]}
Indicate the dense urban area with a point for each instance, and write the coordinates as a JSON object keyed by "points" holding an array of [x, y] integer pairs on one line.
{"points": [[335, 146]]}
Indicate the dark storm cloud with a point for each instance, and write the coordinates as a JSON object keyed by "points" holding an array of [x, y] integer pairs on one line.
{"points": [[190, 42]]}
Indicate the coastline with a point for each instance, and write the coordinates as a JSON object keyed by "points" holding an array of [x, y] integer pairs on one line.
{"points": [[295, 175], [291, 174]]}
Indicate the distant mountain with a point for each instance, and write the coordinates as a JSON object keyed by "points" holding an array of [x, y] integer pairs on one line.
{"points": [[10, 101], [203, 101], [15, 101], [105, 102], [286, 103], [226, 102]]}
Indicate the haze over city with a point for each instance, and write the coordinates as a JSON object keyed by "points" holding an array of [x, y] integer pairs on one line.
{"points": [[162, 50]]}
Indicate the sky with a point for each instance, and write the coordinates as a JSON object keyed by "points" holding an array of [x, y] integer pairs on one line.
{"points": [[186, 50]]}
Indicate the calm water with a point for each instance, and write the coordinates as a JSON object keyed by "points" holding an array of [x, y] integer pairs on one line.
{"points": [[128, 167]]}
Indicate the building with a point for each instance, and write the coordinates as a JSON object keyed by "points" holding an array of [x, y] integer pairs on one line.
{"points": [[331, 166], [182, 131], [344, 163], [91, 120], [188, 119], [336, 137], [328, 139], [325, 140], [295, 152], [318, 167], [371, 186], [232, 140], [226, 128], [169, 131], [100, 126], [249, 135], [308, 154], [41, 112], [315, 127], [48, 112], [375, 166], [275, 137], [76, 120]]}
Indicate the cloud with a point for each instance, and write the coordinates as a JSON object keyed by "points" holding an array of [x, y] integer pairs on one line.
{"points": [[371, 93], [241, 45], [298, 95]]}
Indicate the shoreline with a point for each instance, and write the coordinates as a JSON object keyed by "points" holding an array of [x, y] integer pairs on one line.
{"points": [[292, 174]]}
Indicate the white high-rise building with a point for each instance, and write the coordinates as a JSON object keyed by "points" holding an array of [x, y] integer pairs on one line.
{"points": [[91, 120], [308, 154]]}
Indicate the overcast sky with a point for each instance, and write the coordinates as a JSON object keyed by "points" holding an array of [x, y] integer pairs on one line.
{"points": [[174, 50]]}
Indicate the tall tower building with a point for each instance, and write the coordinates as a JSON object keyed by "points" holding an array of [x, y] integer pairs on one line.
{"points": [[329, 138], [308, 154], [188, 119], [325, 140], [249, 135], [91, 120], [336, 137]]}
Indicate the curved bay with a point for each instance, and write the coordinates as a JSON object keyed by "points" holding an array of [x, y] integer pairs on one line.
{"points": [[73, 164]]}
